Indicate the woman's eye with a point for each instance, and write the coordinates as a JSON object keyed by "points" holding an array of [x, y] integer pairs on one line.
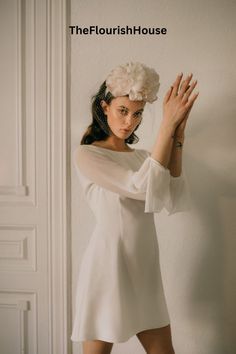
{"points": [[124, 112]]}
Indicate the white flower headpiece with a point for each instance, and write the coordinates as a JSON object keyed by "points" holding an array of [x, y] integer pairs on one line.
{"points": [[137, 80]]}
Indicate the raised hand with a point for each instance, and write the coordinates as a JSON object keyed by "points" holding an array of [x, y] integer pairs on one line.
{"points": [[179, 131], [178, 102]]}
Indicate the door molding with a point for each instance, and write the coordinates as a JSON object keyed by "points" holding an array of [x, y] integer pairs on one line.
{"points": [[59, 229]]}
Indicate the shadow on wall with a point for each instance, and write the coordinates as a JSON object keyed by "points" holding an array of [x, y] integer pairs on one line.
{"points": [[212, 294]]}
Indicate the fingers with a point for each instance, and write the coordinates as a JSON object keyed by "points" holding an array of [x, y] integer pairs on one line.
{"points": [[185, 91], [189, 91], [167, 96], [176, 85], [191, 101], [184, 85]]}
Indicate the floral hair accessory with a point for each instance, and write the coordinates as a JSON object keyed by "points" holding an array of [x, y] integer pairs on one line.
{"points": [[137, 80]]}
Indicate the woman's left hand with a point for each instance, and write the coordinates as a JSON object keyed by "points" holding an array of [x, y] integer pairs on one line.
{"points": [[179, 131]]}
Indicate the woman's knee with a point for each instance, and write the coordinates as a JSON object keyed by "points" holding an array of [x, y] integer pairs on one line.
{"points": [[157, 340], [97, 347]]}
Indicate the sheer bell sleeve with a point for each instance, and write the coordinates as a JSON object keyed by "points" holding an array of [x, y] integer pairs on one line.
{"points": [[151, 183], [177, 197], [180, 199]]}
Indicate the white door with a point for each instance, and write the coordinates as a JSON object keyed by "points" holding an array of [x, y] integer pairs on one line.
{"points": [[34, 192]]}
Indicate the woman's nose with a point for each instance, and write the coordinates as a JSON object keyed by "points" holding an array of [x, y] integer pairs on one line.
{"points": [[129, 121]]}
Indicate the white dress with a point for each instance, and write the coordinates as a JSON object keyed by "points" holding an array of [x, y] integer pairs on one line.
{"points": [[119, 290]]}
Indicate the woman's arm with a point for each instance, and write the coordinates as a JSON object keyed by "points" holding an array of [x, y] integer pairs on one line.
{"points": [[175, 163], [163, 146], [176, 107]]}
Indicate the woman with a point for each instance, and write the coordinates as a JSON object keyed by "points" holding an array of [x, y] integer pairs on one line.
{"points": [[120, 291]]}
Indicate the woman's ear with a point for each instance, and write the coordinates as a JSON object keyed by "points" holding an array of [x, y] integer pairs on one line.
{"points": [[104, 106]]}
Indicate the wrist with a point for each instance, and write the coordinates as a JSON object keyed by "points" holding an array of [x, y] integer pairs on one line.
{"points": [[167, 129], [178, 141], [178, 135], [178, 144]]}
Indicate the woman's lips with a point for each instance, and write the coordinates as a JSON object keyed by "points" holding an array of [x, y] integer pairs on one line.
{"points": [[126, 130]]}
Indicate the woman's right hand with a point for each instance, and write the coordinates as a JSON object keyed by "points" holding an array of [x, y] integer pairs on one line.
{"points": [[176, 104]]}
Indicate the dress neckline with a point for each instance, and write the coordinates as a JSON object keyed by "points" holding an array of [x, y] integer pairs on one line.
{"points": [[102, 148]]}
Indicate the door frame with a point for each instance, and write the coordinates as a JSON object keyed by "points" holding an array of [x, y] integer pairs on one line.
{"points": [[59, 201]]}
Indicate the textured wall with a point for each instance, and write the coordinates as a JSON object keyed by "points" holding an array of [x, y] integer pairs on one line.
{"points": [[196, 248]]}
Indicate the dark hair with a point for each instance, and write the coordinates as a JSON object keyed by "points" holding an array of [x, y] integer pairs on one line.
{"points": [[95, 132]]}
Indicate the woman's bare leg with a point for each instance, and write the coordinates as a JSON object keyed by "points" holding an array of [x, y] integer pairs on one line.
{"points": [[97, 347], [157, 340]]}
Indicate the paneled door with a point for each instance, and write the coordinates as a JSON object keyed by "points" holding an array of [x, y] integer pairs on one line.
{"points": [[34, 178]]}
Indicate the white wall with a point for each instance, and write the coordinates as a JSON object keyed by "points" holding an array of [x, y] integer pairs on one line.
{"points": [[196, 248]]}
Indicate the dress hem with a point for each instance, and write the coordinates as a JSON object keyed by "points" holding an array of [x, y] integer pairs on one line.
{"points": [[119, 340]]}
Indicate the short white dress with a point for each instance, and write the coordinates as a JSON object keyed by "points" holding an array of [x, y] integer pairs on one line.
{"points": [[119, 290]]}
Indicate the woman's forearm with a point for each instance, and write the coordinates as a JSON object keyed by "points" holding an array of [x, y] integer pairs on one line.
{"points": [[175, 162], [163, 145]]}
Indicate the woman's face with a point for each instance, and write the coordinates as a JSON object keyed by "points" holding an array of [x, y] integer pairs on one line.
{"points": [[122, 113]]}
